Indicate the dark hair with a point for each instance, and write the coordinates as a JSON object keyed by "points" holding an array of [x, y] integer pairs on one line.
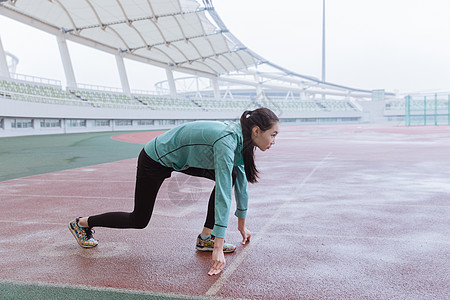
{"points": [[264, 118]]}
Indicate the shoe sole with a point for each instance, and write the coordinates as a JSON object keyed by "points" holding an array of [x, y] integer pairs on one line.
{"points": [[206, 249], [76, 238]]}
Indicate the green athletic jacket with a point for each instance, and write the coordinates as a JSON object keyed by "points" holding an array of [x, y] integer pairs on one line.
{"points": [[208, 145]]}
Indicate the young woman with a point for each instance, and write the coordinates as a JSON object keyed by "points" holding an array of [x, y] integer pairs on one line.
{"points": [[221, 151]]}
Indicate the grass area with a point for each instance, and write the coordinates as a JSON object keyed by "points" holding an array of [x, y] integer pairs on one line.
{"points": [[38, 291], [32, 155]]}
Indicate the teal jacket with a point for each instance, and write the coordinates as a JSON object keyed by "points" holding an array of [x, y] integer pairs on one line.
{"points": [[208, 145]]}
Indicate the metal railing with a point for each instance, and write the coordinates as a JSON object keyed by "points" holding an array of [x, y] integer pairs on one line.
{"points": [[36, 79], [427, 110]]}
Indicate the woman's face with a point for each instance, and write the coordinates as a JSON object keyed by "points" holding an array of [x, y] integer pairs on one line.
{"points": [[264, 139]]}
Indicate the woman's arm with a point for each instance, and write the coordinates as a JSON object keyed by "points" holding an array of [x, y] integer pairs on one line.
{"points": [[223, 166], [241, 192]]}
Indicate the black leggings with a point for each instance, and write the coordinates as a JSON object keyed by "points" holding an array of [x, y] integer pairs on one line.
{"points": [[150, 176]]}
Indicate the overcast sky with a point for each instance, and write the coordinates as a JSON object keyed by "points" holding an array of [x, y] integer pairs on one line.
{"points": [[399, 45]]}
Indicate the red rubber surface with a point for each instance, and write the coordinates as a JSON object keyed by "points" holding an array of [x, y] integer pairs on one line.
{"points": [[349, 212]]}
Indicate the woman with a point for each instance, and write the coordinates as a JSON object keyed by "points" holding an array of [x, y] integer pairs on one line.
{"points": [[221, 151]]}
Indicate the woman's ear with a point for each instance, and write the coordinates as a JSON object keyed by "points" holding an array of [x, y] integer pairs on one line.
{"points": [[255, 131]]}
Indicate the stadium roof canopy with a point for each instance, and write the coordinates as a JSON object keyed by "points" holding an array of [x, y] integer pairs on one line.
{"points": [[175, 33], [181, 35]]}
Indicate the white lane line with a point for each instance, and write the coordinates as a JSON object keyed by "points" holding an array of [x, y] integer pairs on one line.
{"points": [[180, 200], [359, 237], [69, 180], [37, 222], [358, 203], [334, 203], [64, 196], [178, 213], [214, 289], [287, 234], [86, 197]]}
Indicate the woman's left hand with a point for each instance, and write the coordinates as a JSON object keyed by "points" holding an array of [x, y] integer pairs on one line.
{"points": [[246, 234]]}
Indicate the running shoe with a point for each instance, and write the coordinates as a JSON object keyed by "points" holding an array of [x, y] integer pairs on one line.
{"points": [[208, 245], [83, 235]]}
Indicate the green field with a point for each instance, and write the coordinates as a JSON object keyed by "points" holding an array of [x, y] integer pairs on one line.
{"points": [[32, 155], [39, 291]]}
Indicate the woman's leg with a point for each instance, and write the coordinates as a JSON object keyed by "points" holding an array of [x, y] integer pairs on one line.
{"points": [[209, 174], [144, 201], [150, 176], [210, 220]]}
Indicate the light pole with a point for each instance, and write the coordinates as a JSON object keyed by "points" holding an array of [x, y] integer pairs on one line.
{"points": [[323, 42]]}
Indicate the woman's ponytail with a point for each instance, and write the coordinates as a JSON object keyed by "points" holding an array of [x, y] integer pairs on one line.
{"points": [[264, 118]]}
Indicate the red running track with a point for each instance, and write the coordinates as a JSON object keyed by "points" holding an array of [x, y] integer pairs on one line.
{"points": [[348, 212]]}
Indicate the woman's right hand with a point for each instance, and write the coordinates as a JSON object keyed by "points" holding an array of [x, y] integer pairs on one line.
{"points": [[218, 258]]}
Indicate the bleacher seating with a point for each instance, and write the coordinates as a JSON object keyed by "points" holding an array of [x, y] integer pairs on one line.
{"points": [[32, 92], [222, 105], [162, 103], [24, 91], [33, 89], [106, 99]]}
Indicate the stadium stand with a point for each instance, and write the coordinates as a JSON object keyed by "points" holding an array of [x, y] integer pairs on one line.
{"points": [[29, 107], [32, 92]]}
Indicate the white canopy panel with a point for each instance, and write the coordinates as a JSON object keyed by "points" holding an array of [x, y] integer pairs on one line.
{"points": [[174, 33], [181, 35]]}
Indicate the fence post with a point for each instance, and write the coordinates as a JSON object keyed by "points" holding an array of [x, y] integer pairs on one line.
{"points": [[425, 110], [435, 110], [407, 111]]}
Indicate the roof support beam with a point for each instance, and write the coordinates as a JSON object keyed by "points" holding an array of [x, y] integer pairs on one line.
{"points": [[67, 63], [293, 88], [259, 89], [172, 87], [123, 74], [152, 18], [4, 71], [303, 95], [215, 84]]}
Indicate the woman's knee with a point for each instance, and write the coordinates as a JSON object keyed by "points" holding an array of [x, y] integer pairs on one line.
{"points": [[139, 222]]}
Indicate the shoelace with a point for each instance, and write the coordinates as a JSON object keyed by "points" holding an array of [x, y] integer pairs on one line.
{"points": [[89, 232]]}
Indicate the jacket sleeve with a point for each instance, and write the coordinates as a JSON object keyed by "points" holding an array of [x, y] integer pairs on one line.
{"points": [[241, 192], [223, 166]]}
